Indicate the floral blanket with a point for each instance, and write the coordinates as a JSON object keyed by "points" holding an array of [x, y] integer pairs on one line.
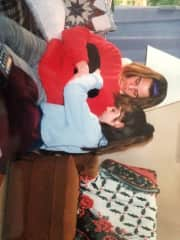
{"points": [[120, 204]]}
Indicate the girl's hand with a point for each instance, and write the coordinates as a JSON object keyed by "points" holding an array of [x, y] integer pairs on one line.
{"points": [[79, 74], [82, 68], [97, 71]]}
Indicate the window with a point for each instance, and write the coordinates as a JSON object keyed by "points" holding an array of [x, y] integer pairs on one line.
{"points": [[146, 2]]}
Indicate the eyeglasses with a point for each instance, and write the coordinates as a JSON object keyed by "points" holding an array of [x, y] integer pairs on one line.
{"points": [[135, 90]]}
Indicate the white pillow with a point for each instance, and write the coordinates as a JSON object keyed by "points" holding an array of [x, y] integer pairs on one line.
{"points": [[49, 16]]}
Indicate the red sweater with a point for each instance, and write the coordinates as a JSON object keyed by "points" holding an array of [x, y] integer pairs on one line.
{"points": [[57, 66]]}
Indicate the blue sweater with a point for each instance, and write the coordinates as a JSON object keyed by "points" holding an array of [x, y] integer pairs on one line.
{"points": [[72, 126]]}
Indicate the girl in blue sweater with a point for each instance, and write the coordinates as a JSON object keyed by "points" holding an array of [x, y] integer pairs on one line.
{"points": [[72, 127]]}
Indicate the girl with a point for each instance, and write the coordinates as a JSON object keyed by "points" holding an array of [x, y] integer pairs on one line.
{"points": [[71, 127]]}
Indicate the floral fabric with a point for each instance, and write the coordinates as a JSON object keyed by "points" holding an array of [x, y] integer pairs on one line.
{"points": [[113, 207]]}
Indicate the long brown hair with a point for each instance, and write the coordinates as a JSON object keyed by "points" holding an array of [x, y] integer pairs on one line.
{"points": [[138, 69]]}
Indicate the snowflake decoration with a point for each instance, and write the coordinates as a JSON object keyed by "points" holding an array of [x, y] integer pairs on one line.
{"points": [[80, 12]]}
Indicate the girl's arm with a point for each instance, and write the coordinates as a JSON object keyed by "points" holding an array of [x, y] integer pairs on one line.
{"points": [[75, 94], [77, 112]]}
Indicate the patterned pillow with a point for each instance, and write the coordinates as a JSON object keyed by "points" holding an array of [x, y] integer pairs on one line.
{"points": [[120, 204], [94, 14]]}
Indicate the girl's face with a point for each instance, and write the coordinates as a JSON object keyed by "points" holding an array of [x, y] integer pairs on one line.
{"points": [[113, 116], [135, 86]]}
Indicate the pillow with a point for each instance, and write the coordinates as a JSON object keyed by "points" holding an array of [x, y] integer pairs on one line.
{"points": [[49, 15], [120, 204], [94, 14]]}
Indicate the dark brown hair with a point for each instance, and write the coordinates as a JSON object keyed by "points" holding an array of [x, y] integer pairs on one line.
{"points": [[136, 129]]}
